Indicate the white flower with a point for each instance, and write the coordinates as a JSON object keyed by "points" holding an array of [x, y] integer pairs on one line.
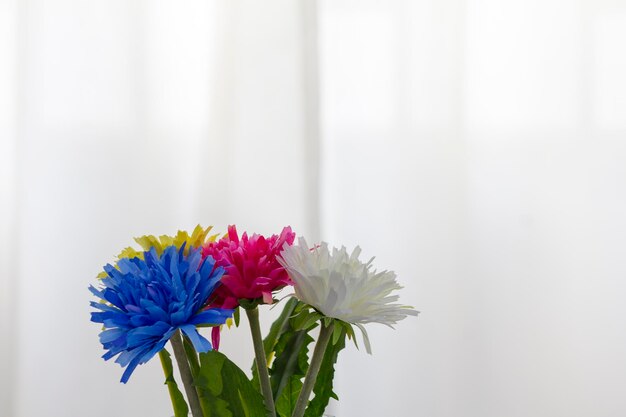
{"points": [[340, 286]]}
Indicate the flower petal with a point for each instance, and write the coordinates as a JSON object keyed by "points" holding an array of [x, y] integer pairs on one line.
{"points": [[199, 343]]}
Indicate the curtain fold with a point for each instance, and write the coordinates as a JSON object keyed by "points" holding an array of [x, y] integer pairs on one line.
{"points": [[8, 200], [476, 147], [134, 117]]}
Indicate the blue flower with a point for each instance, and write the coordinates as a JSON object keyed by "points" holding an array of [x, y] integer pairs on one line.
{"points": [[146, 300]]}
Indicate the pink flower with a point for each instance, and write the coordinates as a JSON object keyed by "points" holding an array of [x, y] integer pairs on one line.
{"points": [[252, 270]]}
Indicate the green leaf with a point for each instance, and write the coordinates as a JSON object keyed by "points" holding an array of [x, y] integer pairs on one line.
{"points": [[350, 333], [305, 319], [178, 401], [226, 389], [194, 365], [323, 387], [311, 321], [337, 332], [279, 326], [250, 304], [291, 359], [286, 403], [192, 356], [288, 343]]}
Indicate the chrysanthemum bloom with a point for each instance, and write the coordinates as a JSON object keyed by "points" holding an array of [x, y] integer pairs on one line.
{"points": [[198, 238], [340, 286], [146, 299], [252, 270]]}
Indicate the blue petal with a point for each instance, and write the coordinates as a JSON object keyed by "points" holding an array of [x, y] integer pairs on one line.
{"points": [[212, 316], [147, 298], [131, 367], [157, 313], [111, 335], [199, 343], [148, 335], [127, 356], [110, 316], [96, 292], [158, 346], [103, 307]]}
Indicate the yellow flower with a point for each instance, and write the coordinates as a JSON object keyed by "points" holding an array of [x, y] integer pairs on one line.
{"points": [[198, 237]]}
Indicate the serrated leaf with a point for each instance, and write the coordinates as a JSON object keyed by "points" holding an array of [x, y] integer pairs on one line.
{"points": [[291, 356], [292, 359], [178, 401], [323, 388], [305, 319], [298, 319], [286, 403], [311, 321], [350, 334], [299, 307], [337, 332], [226, 389], [279, 325]]}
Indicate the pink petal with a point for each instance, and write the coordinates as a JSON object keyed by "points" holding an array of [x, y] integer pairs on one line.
{"points": [[215, 337]]}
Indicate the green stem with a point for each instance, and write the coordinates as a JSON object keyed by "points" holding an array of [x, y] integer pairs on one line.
{"points": [[194, 364], [311, 375], [261, 361], [186, 375]]}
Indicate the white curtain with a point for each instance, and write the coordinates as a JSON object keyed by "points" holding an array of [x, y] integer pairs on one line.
{"points": [[127, 118], [479, 148], [8, 184], [476, 147]]}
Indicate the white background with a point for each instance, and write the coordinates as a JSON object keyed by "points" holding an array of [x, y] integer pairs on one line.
{"points": [[476, 147]]}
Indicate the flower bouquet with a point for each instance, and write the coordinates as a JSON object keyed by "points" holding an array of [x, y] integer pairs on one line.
{"points": [[176, 285]]}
